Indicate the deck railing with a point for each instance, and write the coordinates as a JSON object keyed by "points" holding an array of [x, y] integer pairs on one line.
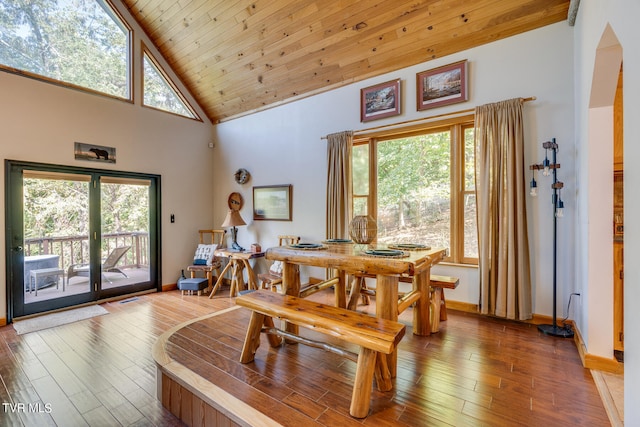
{"points": [[75, 249]]}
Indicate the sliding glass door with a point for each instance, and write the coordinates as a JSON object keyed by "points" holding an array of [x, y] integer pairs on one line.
{"points": [[78, 235]]}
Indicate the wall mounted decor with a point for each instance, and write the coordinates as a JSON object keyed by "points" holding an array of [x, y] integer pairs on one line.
{"points": [[272, 202], [96, 153], [242, 176], [379, 101], [442, 86]]}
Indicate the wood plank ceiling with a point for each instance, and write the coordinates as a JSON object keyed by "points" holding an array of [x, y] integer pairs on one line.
{"points": [[241, 56]]}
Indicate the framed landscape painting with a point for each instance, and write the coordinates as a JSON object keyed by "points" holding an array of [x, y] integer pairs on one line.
{"points": [[442, 86], [272, 202], [379, 101]]}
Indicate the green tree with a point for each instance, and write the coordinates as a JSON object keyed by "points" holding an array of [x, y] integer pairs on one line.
{"points": [[74, 41], [413, 172]]}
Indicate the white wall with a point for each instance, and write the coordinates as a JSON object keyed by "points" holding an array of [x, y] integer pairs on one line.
{"points": [[39, 122], [283, 146], [593, 19]]}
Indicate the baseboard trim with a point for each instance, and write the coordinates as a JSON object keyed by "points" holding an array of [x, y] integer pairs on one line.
{"points": [[589, 361], [3, 321], [169, 287]]}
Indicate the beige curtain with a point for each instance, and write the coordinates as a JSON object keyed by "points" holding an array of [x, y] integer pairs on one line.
{"points": [[339, 184], [505, 282]]}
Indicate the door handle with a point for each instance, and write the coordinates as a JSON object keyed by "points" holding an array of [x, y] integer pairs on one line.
{"points": [[18, 248]]}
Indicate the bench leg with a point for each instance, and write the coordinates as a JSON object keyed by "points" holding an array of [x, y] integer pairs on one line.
{"points": [[354, 293], [274, 340], [443, 308], [252, 339], [383, 377], [436, 296], [361, 395]]}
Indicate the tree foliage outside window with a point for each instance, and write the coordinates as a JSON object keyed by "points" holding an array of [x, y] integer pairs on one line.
{"points": [[414, 190], [420, 188], [158, 93], [80, 42], [60, 208]]}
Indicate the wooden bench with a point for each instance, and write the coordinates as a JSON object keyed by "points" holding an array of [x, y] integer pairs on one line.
{"points": [[371, 334], [437, 283]]}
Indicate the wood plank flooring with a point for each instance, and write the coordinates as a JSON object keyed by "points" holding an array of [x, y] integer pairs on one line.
{"points": [[475, 372]]}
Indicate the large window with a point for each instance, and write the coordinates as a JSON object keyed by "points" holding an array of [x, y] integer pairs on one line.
{"points": [[81, 43], [419, 185]]}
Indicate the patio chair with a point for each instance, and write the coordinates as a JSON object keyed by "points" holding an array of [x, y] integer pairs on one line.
{"points": [[108, 265]]}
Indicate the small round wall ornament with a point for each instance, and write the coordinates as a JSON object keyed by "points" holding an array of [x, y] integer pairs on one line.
{"points": [[242, 176]]}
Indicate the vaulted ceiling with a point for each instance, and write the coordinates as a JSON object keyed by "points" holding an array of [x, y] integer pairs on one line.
{"points": [[241, 56]]}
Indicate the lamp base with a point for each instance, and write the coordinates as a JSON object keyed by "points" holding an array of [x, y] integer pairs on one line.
{"points": [[237, 247], [556, 331]]}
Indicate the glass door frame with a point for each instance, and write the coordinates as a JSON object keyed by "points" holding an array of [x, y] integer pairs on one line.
{"points": [[14, 237]]}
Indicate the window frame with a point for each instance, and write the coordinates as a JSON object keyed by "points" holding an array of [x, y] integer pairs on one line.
{"points": [[114, 13], [145, 52], [456, 126]]}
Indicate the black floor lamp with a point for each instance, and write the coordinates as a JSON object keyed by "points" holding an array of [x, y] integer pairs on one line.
{"points": [[550, 167]]}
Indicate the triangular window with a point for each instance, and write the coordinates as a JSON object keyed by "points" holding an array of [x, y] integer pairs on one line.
{"points": [[160, 93]]}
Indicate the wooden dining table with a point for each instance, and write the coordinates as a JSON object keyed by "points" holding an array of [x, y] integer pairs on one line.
{"points": [[353, 259]]}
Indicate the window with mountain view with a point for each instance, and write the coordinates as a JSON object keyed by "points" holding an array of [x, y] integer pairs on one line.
{"points": [[81, 43]]}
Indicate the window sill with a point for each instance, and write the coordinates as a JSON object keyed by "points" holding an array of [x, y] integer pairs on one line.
{"points": [[455, 264]]}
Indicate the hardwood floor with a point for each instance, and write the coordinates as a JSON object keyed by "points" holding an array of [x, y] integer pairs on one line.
{"points": [[475, 372]]}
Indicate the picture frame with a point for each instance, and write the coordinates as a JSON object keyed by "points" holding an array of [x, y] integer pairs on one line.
{"points": [[380, 101], [272, 202], [94, 153], [442, 86]]}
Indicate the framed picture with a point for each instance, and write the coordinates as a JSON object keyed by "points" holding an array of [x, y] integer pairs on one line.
{"points": [[96, 153], [442, 86], [379, 101], [272, 202]]}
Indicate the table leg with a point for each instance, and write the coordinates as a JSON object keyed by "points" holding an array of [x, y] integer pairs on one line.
{"points": [[251, 276], [387, 308], [421, 310], [291, 286], [220, 279], [341, 289], [237, 283]]}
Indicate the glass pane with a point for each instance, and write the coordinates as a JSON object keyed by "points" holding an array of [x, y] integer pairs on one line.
{"points": [[360, 206], [125, 233], [469, 160], [158, 93], [80, 42], [470, 227], [360, 161], [56, 237], [414, 190]]}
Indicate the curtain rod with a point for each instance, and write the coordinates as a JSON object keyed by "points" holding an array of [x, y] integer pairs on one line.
{"points": [[455, 113]]}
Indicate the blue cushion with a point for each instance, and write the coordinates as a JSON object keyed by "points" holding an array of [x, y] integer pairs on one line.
{"points": [[200, 262]]}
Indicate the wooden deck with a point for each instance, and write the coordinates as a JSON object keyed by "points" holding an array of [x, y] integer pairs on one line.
{"points": [[476, 371]]}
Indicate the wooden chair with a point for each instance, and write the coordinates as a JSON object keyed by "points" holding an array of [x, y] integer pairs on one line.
{"points": [[216, 238], [273, 277]]}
